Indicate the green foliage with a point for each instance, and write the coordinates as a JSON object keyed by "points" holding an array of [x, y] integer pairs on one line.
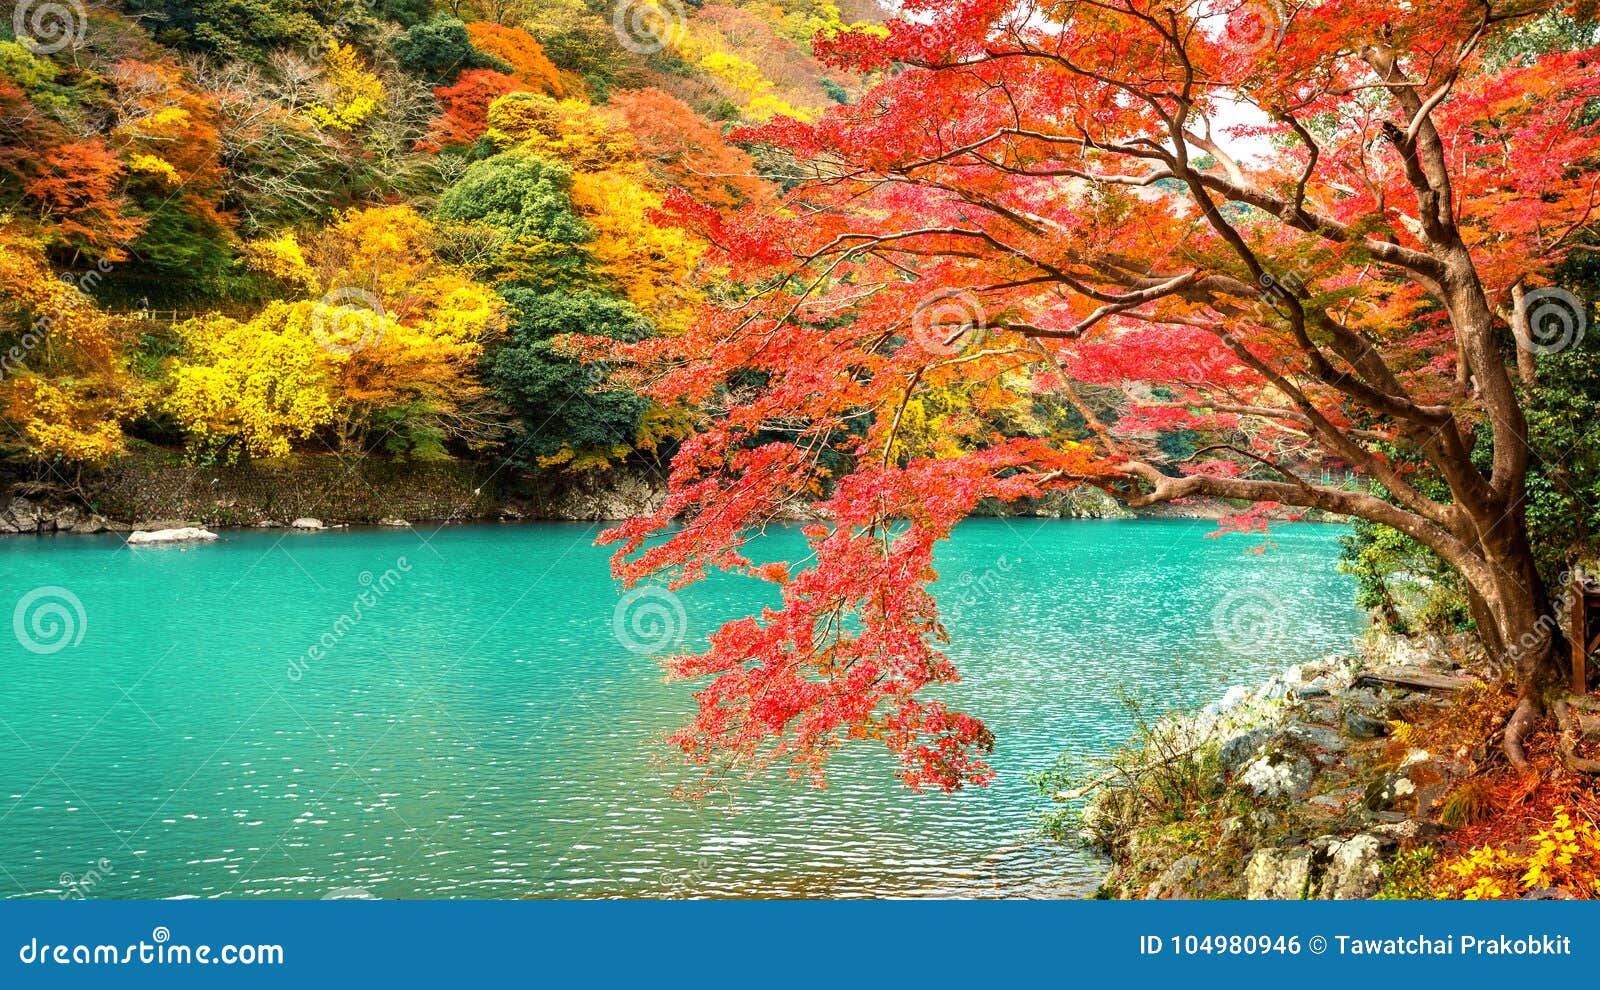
{"points": [[561, 402], [836, 92], [578, 41], [1406, 585], [179, 245], [243, 29], [540, 316], [1406, 876], [1563, 411], [437, 51], [528, 199], [524, 195], [405, 13]]}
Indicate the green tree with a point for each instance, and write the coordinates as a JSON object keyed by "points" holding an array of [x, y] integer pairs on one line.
{"points": [[563, 404], [528, 199], [437, 51], [242, 29]]}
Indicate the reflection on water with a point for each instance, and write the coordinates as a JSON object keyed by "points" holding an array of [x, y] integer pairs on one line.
{"points": [[479, 731]]}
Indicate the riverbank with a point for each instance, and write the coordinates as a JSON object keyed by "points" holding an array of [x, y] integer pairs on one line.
{"points": [[155, 489], [159, 489], [1325, 782]]}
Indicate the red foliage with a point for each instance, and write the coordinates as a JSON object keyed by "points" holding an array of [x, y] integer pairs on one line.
{"points": [[466, 107], [1079, 205]]}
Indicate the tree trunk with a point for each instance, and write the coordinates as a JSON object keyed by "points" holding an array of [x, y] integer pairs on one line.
{"points": [[1519, 629]]}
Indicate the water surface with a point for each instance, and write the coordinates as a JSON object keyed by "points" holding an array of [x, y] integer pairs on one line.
{"points": [[481, 731]]}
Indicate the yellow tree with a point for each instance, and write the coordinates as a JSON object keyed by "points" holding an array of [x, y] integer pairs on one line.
{"points": [[64, 388], [250, 388]]}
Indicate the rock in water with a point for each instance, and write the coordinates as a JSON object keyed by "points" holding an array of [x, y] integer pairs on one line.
{"points": [[185, 534], [307, 522]]}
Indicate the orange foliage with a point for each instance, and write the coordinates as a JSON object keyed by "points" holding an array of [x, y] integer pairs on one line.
{"points": [[681, 147], [75, 189], [529, 66]]}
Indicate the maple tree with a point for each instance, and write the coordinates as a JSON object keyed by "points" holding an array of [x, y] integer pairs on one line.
{"points": [[1308, 239], [680, 147]]}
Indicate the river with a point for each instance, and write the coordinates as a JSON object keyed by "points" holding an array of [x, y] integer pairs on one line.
{"points": [[488, 726]]}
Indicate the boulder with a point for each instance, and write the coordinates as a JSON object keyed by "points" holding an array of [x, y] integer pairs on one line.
{"points": [[1364, 725], [1235, 696], [1278, 874], [18, 515], [1328, 868], [185, 534], [1322, 738], [1280, 775], [1173, 882], [92, 523], [1354, 870], [307, 522], [1237, 750], [393, 521]]}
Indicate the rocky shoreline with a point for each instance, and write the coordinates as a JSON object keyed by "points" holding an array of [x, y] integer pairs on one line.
{"points": [[1303, 787], [159, 491]]}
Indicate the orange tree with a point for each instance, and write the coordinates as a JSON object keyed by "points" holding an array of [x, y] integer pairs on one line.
{"points": [[1310, 232]]}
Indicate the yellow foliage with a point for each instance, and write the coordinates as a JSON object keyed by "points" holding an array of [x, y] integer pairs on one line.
{"points": [[281, 258], [571, 131], [352, 94], [649, 263], [384, 250], [251, 387], [396, 332], [158, 167], [75, 419], [1564, 854], [765, 107], [63, 386], [739, 73]]}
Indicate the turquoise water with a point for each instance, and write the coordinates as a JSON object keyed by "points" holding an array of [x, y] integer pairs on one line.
{"points": [[480, 727]]}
